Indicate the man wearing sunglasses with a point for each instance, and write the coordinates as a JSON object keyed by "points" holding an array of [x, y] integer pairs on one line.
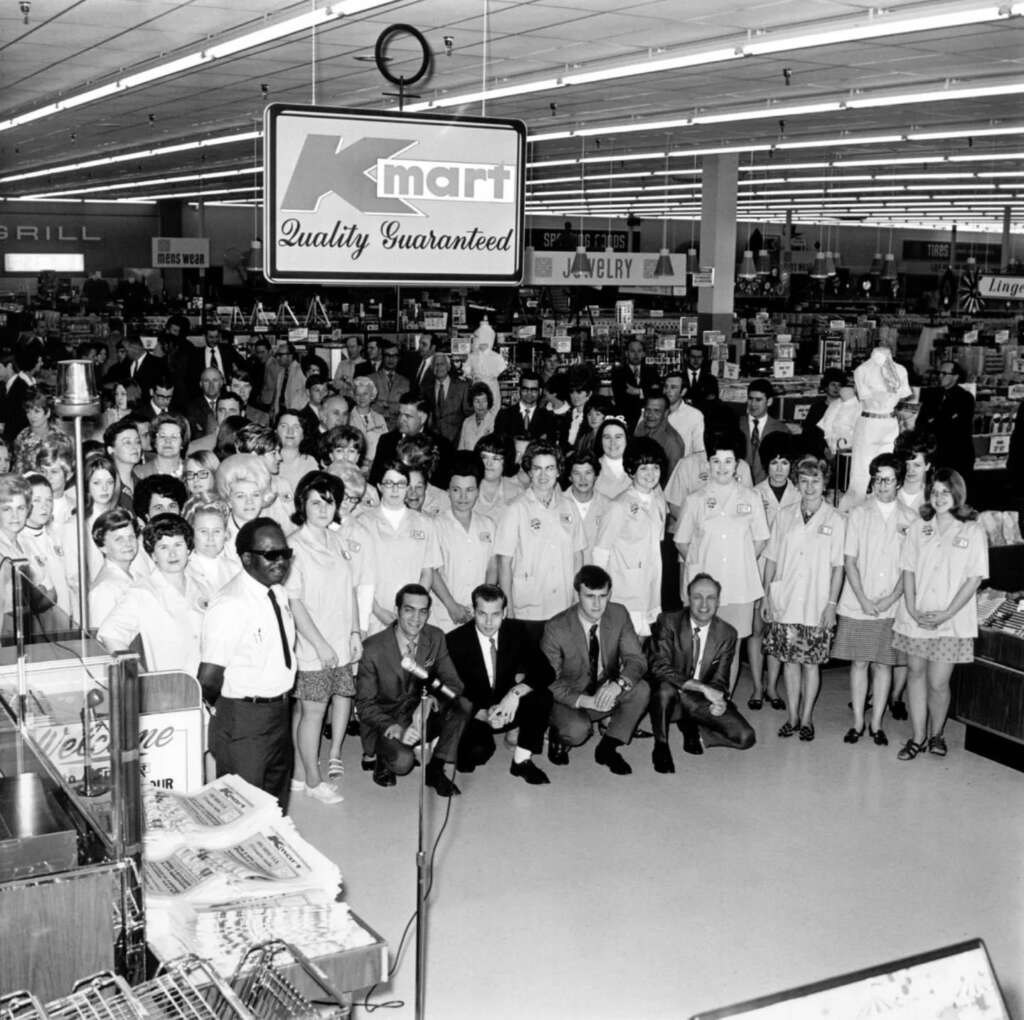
{"points": [[247, 667]]}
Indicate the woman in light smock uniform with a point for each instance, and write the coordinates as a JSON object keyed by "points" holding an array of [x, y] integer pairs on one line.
{"points": [[692, 473], [539, 542], [777, 493], [721, 532], [590, 504], [405, 545], [803, 572], [628, 543], [610, 443], [497, 490], [875, 531], [945, 559]]}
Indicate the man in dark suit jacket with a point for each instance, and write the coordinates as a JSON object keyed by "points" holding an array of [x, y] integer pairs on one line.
{"points": [[201, 409], [756, 423], [216, 352], [447, 415], [527, 418], [506, 684], [139, 366], [388, 695], [947, 413], [698, 382], [412, 421], [599, 667], [18, 379], [632, 381], [694, 693]]}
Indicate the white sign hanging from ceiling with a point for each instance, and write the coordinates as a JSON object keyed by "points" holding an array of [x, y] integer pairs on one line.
{"points": [[181, 252], [1010, 288], [353, 196], [555, 268]]}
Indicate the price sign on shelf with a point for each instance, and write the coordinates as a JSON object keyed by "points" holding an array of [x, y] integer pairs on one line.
{"points": [[783, 370], [783, 338], [971, 336], [785, 352], [1002, 336], [999, 444], [1016, 391]]}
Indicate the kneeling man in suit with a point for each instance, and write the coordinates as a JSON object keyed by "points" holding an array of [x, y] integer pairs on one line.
{"points": [[690, 655], [599, 668], [388, 694], [506, 682]]}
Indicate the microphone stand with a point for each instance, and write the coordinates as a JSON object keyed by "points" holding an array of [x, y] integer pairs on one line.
{"points": [[421, 864]]}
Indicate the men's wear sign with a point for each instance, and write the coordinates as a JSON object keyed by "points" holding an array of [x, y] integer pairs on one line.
{"points": [[181, 252], [391, 198]]}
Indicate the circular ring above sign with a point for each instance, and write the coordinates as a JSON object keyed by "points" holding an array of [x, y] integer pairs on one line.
{"points": [[380, 50]]}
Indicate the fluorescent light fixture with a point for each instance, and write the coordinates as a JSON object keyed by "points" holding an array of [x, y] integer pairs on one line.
{"points": [[42, 262], [717, 56], [151, 182], [768, 111], [504, 92], [127, 157], [249, 41], [844, 140], [934, 136], [936, 96]]}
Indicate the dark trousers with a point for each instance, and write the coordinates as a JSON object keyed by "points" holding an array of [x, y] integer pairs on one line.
{"points": [[574, 725], [445, 723], [477, 745], [255, 742], [693, 713]]}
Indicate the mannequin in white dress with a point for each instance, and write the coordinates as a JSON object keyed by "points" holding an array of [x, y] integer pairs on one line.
{"points": [[881, 385], [484, 363]]}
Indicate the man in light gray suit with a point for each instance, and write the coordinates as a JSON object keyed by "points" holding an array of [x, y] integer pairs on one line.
{"points": [[599, 668]]}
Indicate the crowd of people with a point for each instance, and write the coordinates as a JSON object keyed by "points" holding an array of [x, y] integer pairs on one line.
{"points": [[382, 545]]}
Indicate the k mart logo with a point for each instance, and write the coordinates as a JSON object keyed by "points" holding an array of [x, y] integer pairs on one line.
{"points": [[368, 176]]}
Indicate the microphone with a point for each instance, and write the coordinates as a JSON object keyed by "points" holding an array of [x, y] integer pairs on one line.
{"points": [[432, 683]]}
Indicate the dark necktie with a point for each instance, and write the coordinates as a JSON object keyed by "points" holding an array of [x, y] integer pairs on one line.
{"points": [[755, 439], [696, 652], [494, 662], [594, 650], [693, 380], [280, 626], [527, 415], [439, 397]]}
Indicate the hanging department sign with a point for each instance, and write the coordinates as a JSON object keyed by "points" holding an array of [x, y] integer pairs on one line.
{"points": [[1009, 288], [352, 196], [607, 269], [181, 252]]}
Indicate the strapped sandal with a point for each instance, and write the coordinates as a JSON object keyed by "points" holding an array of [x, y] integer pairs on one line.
{"points": [[807, 732], [937, 746], [777, 703], [335, 768], [911, 750], [787, 729]]}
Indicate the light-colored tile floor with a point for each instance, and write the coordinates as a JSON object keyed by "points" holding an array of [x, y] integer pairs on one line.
{"points": [[648, 896]]}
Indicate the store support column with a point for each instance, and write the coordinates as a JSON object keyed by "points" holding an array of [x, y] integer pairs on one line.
{"points": [[718, 242], [171, 212]]}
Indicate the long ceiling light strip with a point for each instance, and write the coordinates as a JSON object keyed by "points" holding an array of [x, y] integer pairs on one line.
{"points": [[127, 157], [877, 27], [230, 47], [153, 182]]}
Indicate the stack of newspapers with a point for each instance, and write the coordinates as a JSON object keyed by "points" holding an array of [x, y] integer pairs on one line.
{"points": [[224, 870]]}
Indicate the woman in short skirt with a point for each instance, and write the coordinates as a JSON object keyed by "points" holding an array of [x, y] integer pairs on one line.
{"points": [[944, 561], [803, 572], [875, 532]]}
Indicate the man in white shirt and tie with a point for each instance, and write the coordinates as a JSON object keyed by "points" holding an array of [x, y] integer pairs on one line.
{"points": [[689, 674], [506, 682]]}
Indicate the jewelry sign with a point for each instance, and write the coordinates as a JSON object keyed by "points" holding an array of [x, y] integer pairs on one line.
{"points": [[355, 196]]}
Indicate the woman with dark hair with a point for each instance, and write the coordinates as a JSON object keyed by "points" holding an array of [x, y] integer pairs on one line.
{"points": [[803, 572], [225, 442], [582, 470], [777, 455], [102, 490], [45, 560], [692, 472], [322, 593], [480, 421], [343, 443], [610, 444], [291, 429], [722, 531], [875, 532], [15, 498], [405, 545], [166, 607], [118, 400], [594, 413], [497, 490], [55, 461], [944, 561], [116, 534], [38, 407], [628, 543]]}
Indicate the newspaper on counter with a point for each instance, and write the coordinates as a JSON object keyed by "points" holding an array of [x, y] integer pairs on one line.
{"points": [[221, 932], [218, 815], [273, 860]]}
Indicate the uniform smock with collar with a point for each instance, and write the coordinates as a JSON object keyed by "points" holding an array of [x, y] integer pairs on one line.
{"points": [[592, 514], [542, 542], [692, 473], [941, 563], [322, 579], [875, 541], [804, 556], [772, 506], [720, 525], [241, 634], [465, 554]]}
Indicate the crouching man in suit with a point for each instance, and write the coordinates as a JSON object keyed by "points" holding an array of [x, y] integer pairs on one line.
{"points": [[599, 668], [388, 694], [690, 655], [506, 683]]}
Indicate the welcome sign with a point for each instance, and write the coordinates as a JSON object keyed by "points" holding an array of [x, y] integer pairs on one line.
{"points": [[357, 196]]}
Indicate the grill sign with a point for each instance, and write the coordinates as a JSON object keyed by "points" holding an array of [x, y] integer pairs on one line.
{"points": [[388, 198]]}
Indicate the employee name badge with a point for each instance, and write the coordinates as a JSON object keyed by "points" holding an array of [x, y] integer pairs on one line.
{"points": [[825, 529], [419, 536], [484, 536], [566, 518], [743, 508], [711, 502], [960, 542], [535, 523]]}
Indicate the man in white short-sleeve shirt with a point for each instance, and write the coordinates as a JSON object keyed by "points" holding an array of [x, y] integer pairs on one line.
{"points": [[247, 664]]}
